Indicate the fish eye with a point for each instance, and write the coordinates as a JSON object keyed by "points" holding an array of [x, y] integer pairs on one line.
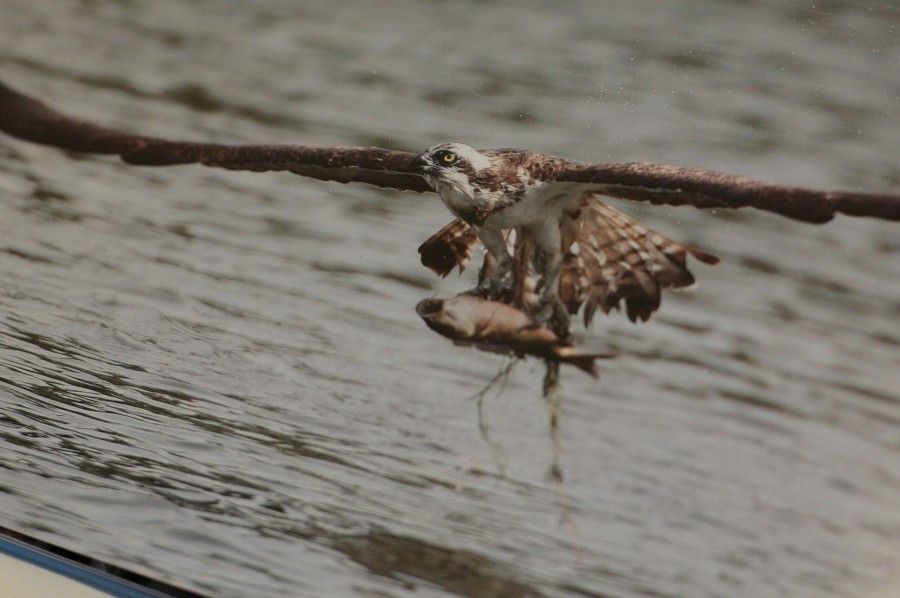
{"points": [[448, 158]]}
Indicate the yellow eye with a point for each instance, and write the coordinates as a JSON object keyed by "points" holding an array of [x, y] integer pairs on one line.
{"points": [[449, 158]]}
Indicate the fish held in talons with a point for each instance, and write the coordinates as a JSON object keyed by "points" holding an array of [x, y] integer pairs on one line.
{"points": [[497, 327]]}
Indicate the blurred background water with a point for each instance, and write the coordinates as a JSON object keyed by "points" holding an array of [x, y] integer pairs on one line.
{"points": [[218, 379]]}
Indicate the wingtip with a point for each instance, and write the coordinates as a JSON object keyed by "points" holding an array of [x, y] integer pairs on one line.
{"points": [[6, 91]]}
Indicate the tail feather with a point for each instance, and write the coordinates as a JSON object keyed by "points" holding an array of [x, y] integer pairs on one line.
{"points": [[703, 256], [610, 258]]}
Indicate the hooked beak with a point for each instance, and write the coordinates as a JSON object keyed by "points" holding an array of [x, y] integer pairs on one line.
{"points": [[418, 164]]}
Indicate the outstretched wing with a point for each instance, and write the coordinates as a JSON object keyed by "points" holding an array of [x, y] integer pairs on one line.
{"points": [[30, 119], [659, 184], [610, 257]]}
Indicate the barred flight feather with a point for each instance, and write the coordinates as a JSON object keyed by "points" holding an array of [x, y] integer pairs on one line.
{"points": [[448, 248]]}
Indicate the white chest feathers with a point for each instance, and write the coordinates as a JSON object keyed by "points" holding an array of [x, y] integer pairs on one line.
{"points": [[455, 191]]}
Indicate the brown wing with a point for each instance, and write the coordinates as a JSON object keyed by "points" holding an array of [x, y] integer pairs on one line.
{"points": [[610, 257], [448, 248], [676, 186], [30, 119]]}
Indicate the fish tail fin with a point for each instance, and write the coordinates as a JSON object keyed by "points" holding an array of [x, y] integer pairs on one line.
{"points": [[585, 363], [583, 360]]}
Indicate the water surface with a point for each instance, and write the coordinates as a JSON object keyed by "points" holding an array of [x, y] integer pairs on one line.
{"points": [[219, 378]]}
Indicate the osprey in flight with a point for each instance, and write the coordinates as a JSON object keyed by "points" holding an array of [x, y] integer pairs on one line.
{"points": [[587, 252]]}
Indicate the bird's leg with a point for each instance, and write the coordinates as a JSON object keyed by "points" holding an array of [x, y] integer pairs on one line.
{"points": [[551, 309], [522, 258], [496, 246]]}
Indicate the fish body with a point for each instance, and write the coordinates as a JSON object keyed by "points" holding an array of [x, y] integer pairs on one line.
{"points": [[498, 327]]}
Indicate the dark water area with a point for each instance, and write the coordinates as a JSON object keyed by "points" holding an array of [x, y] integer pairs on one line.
{"points": [[219, 379]]}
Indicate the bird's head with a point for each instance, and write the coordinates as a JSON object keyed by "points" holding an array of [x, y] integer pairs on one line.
{"points": [[449, 162]]}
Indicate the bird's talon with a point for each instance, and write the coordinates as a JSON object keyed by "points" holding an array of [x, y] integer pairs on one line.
{"points": [[493, 288], [555, 315]]}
